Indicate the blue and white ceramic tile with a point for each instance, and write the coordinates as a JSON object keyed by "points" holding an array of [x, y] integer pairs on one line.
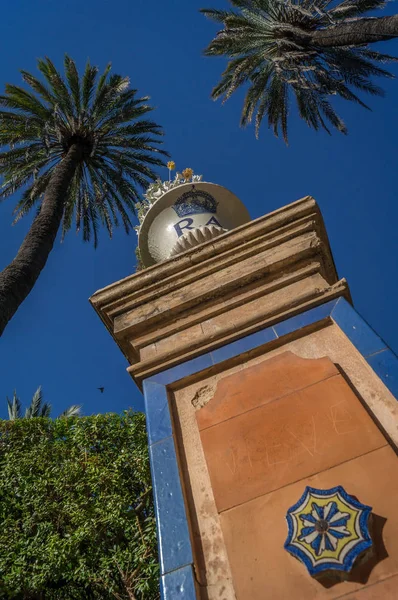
{"points": [[328, 530]]}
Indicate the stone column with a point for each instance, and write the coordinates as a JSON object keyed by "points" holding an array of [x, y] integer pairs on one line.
{"points": [[260, 381]]}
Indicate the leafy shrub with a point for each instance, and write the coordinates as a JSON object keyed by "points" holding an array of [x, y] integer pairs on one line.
{"points": [[76, 512]]}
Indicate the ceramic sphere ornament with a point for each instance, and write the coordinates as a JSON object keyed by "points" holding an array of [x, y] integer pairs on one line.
{"points": [[186, 215]]}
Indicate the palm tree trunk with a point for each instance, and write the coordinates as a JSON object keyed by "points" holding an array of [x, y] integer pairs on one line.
{"points": [[363, 31], [19, 277]]}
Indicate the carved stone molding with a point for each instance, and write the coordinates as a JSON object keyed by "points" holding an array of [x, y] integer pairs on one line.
{"points": [[264, 271]]}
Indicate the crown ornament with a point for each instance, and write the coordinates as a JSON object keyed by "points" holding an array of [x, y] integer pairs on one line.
{"points": [[177, 215], [159, 188], [195, 202]]}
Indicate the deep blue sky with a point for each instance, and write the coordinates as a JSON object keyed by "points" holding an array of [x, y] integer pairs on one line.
{"points": [[56, 339]]}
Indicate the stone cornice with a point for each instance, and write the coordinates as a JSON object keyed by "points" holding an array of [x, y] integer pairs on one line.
{"points": [[250, 277]]}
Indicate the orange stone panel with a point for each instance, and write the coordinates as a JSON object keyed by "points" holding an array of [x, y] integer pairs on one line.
{"points": [[262, 383], [284, 441], [385, 590], [255, 533]]}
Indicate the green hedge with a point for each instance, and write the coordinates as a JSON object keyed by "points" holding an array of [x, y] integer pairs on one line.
{"points": [[76, 512]]}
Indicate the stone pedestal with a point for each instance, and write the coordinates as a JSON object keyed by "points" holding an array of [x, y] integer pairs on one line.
{"points": [[260, 379]]}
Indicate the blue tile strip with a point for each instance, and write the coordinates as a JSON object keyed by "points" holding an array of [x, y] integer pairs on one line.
{"points": [[378, 355], [175, 550], [178, 585], [365, 340], [183, 370], [385, 364], [243, 345], [173, 534], [157, 411], [319, 313]]}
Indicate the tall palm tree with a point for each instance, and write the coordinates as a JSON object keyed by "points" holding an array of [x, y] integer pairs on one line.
{"points": [[311, 49], [36, 408], [80, 149]]}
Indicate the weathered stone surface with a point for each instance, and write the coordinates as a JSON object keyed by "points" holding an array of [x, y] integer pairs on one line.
{"points": [[273, 565], [268, 269], [251, 432], [211, 561], [266, 438], [255, 533], [261, 384], [383, 590]]}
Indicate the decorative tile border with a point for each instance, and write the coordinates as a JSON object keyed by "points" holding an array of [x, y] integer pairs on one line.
{"points": [[173, 532], [173, 535], [157, 411], [178, 585], [365, 340], [328, 530], [384, 363]]}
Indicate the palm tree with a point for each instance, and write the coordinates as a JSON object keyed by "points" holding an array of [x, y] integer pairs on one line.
{"points": [[310, 49], [80, 149], [36, 408]]}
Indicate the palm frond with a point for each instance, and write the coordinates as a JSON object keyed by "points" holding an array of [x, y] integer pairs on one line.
{"points": [[88, 85], [354, 8], [35, 406], [45, 410], [21, 100], [14, 407], [269, 48], [73, 411], [38, 87], [57, 86], [72, 76], [31, 196], [101, 113]]}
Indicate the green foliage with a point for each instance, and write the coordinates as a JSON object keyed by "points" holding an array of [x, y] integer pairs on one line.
{"points": [[101, 115], [139, 263], [77, 520], [272, 48], [37, 407], [14, 407]]}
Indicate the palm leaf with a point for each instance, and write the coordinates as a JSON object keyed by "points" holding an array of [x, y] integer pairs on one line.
{"points": [[73, 411], [34, 408], [73, 82], [120, 145], [37, 408], [269, 49], [14, 407], [45, 410]]}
